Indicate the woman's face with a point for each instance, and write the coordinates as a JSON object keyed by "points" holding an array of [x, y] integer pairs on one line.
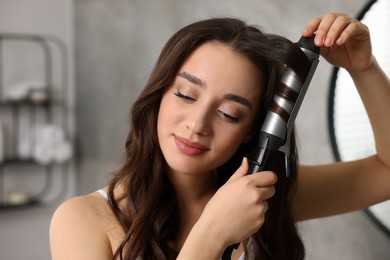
{"points": [[209, 109]]}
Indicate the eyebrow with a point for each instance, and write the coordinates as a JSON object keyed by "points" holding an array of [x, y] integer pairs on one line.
{"points": [[199, 82], [239, 99], [193, 79]]}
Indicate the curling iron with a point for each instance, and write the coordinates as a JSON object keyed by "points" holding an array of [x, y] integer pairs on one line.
{"points": [[276, 130]]}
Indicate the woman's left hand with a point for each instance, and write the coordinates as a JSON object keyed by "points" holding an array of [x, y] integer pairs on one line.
{"points": [[344, 41]]}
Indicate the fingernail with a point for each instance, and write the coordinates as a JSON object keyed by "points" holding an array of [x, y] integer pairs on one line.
{"points": [[340, 40], [243, 161], [328, 41], [318, 40]]}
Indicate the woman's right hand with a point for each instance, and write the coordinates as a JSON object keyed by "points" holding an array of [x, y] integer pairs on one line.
{"points": [[237, 210]]}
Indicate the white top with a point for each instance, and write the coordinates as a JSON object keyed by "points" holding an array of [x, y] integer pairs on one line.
{"points": [[105, 195]]}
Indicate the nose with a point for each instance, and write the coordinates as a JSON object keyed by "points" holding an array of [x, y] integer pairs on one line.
{"points": [[199, 122]]}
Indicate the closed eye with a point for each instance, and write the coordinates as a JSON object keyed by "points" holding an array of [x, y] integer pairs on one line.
{"points": [[228, 117], [184, 97]]}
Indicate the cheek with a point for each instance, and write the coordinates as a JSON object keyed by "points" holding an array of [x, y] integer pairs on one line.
{"points": [[169, 113], [229, 141], [163, 118]]}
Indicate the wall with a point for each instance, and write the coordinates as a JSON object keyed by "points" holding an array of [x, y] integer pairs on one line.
{"points": [[24, 232]]}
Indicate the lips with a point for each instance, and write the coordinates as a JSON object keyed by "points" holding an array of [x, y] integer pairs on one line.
{"points": [[189, 148]]}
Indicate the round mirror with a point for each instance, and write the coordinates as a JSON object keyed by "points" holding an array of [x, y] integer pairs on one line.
{"points": [[350, 130]]}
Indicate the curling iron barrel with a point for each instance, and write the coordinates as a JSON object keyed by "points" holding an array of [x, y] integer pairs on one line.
{"points": [[276, 129]]}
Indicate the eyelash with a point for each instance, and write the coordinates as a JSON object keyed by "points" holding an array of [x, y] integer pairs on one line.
{"points": [[184, 97], [226, 116]]}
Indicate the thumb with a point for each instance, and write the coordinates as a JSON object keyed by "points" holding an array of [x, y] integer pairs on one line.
{"points": [[241, 171]]}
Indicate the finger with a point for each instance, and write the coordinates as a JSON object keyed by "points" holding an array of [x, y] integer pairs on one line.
{"points": [[267, 192], [263, 179], [265, 206], [261, 214], [323, 28], [329, 22], [241, 171], [311, 27], [351, 29], [339, 25], [262, 210]]}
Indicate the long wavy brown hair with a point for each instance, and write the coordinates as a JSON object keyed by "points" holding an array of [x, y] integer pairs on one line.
{"points": [[147, 208]]}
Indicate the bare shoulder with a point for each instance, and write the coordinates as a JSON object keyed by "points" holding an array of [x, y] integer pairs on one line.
{"points": [[84, 227], [87, 209]]}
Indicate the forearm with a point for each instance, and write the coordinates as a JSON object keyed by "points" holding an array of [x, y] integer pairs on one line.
{"points": [[201, 244], [373, 86]]}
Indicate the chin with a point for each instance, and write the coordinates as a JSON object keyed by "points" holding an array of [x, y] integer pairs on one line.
{"points": [[189, 167]]}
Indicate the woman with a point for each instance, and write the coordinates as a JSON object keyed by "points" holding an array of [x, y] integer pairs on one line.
{"points": [[180, 193]]}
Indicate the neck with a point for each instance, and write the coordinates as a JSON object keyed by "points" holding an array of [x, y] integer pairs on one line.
{"points": [[193, 189], [193, 192]]}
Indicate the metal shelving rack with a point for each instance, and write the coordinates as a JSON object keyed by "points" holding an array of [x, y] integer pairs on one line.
{"points": [[54, 108]]}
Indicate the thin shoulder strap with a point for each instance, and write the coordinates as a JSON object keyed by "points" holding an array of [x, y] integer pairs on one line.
{"points": [[103, 193]]}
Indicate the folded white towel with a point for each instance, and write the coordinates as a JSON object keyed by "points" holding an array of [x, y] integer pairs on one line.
{"points": [[43, 154], [24, 142], [51, 145], [62, 152], [49, 133]]}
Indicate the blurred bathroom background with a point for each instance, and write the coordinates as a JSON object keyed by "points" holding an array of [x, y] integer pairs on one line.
{"points": [[110, 50]]}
